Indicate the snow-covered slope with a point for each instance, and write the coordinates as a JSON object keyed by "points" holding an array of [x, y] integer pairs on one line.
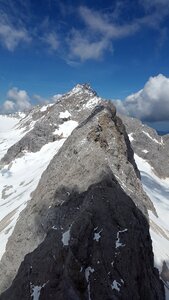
{"points": [[151, 156], [9, 133], [14, 127], [158, 191], [16, 184]]}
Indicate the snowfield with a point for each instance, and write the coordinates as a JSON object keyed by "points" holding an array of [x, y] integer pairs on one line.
{"points": [[16, 184], [9, 134], [158, 191], [12, 129]]}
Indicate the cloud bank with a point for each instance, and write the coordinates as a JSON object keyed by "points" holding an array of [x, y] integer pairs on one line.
{"points": [[97, 35], [17, 100], [151, 103]]}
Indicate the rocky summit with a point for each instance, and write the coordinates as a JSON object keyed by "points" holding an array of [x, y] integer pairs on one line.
{"points": [[77, 223]]}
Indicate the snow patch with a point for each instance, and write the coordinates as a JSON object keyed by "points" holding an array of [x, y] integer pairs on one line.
{"points": [[54, 227], [145, 151], [9, 133], [65, 114], [118, 243], [66, 237], [92, 102], [82, 88], [78, 89], [130, 135], [44, 108], [88, 271], [66, 128], [150, 137], [36, 291], [116, 285], [97, 235]]}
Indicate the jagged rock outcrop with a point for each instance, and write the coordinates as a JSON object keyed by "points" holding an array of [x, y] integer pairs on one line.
{"points": [[98, 248], [97, 148]]}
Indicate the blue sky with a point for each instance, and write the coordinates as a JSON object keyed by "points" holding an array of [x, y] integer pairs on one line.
{"points": [[46, 47]]}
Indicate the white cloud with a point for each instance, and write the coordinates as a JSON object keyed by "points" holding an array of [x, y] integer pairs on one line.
{"points": [[156, 12], [17, 100], [101, 30], [83, 47], [96, 38], [51, 39], [102, 23], [150, 103], [10, 36], [55, 98], [42, 100], [8, 106]]}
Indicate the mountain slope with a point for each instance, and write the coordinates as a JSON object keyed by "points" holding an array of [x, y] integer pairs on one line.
{"points": [[149, 145], [74, 107], [28, 142], [69, 166]]}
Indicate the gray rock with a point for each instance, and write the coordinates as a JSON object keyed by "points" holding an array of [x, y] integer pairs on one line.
{"points": [[98, 248]]}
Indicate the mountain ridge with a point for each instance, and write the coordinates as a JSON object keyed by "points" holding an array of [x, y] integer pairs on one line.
{"points": [[96, 131]]}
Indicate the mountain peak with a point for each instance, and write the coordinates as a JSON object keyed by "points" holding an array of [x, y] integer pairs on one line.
{"points": [[83, 88]]}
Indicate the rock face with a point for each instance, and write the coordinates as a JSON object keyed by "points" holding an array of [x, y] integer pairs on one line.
{"points": [[99, 248], [84, 234], [149, 145]]}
